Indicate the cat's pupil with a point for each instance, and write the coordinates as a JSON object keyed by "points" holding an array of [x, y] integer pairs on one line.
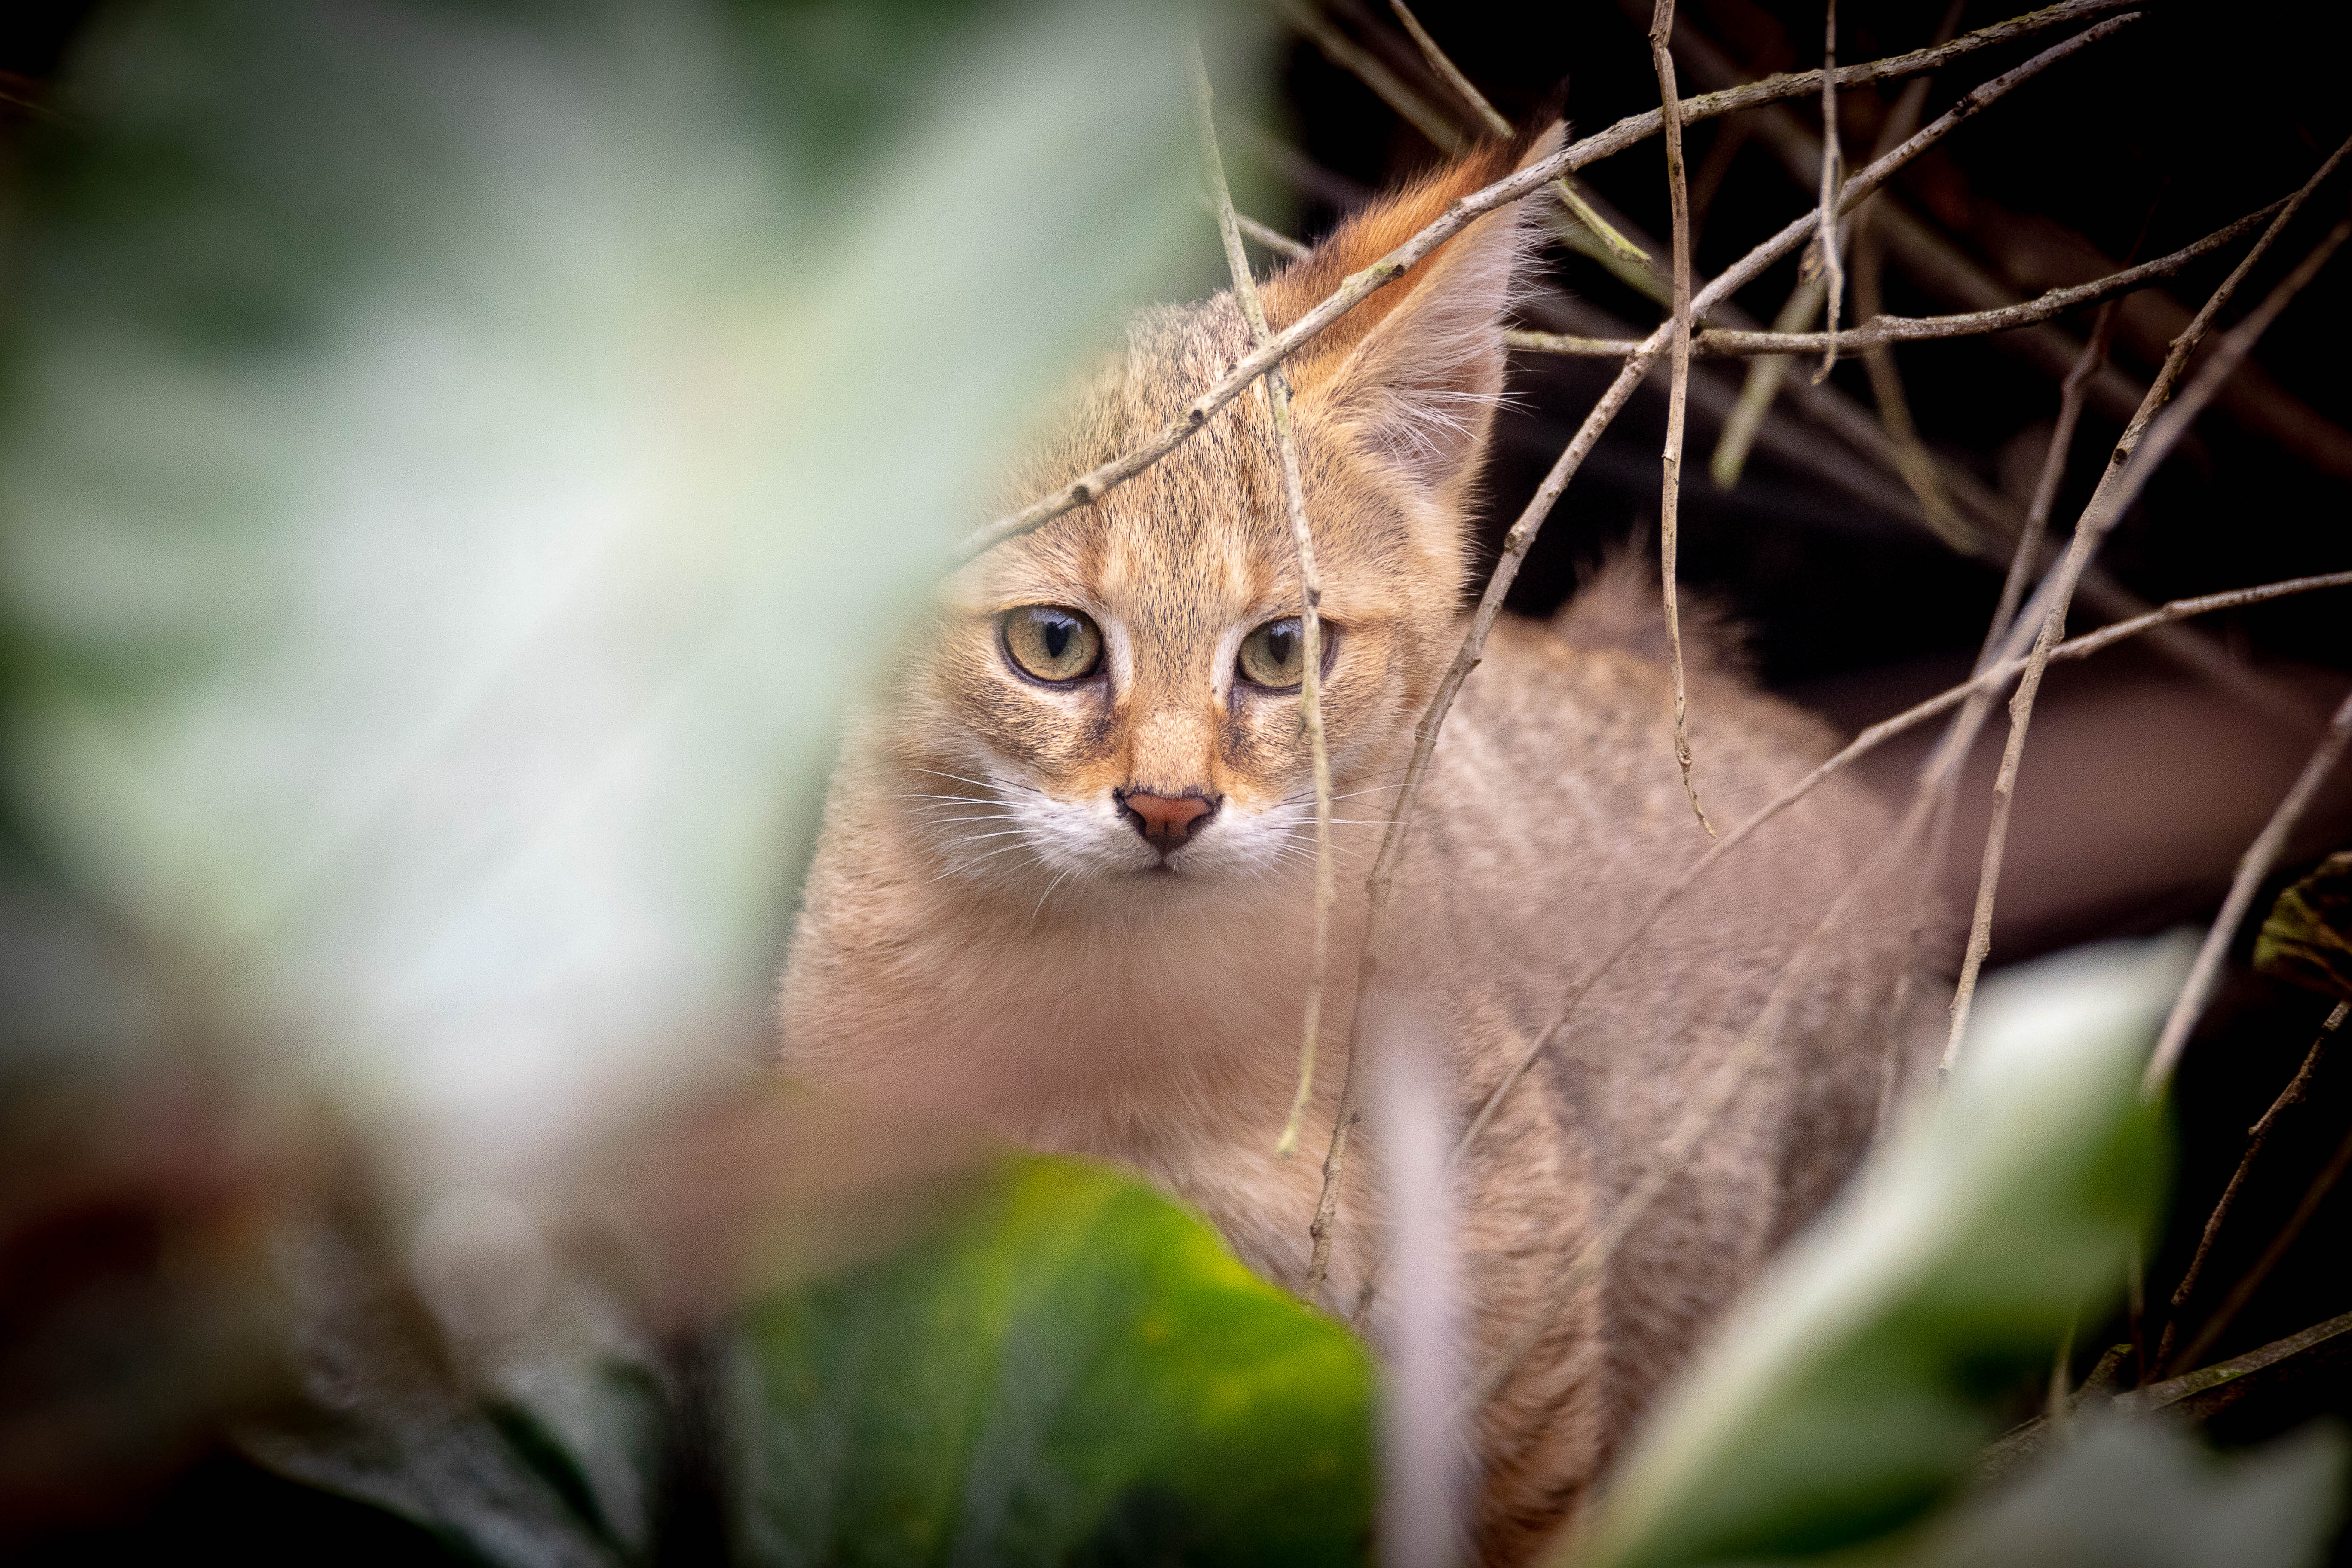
{"points": [[1057, 638], [1279, 642]]}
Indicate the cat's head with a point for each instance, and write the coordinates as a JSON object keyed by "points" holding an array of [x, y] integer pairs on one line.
{"points": [[1113, 700]]}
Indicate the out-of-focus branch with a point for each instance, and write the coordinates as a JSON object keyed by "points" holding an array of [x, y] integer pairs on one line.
{"points": [[1488, 116], [1361, 63], [2024, 562], [1757, 392], [1911, 454], [2252, 867]]}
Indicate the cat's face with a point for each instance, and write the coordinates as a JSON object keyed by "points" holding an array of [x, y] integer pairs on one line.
{"points": [[1114, 701]]}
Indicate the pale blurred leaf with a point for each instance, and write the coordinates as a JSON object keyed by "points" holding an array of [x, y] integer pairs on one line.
{"points": [[458, 455], [2144, 1493]]}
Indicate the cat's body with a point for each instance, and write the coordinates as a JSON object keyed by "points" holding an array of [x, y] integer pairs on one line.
{"points": [[1003, 920]]}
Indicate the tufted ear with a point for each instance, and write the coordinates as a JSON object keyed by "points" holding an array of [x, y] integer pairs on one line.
{"points": [[1415, 370]]}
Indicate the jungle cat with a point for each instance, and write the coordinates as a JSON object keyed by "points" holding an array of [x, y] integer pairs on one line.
{"points": [[1066, 875]]}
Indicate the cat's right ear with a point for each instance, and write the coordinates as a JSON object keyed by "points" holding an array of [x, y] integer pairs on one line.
{"points": [[1415, 370]]}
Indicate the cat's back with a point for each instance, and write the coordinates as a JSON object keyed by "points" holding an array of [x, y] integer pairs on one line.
{"points": [[1555, 812]]}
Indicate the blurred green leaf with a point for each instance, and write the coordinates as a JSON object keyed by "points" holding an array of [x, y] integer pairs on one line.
{"points": [[1074, 1371], [2142, 1493], [2307, 939], [1849, 1392], [1064, 1367]]}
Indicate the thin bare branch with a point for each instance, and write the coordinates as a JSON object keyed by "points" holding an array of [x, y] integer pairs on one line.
{"points": [[1274, 239], [2243, 1291], [1358, 62], [1804, 302], [1698, 1118], [1450, 73], [1756, 393], [2127, 472], [1912, 458], [2025, 561], [1661, 61], [2252, 867], [1717, 343], [1353, 290], [1922, 251], [1833, 262], [1868, 741], [1380, 885], [2256, 1136], [1275, 389]]}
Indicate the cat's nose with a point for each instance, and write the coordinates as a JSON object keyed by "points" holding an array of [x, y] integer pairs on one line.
{"points": [[1165, 821]]}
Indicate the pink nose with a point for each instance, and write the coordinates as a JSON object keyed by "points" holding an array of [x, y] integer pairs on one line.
{"points": [[1165, 821]]}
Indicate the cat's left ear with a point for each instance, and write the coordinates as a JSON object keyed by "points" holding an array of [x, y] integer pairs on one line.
{"points": [[1416, 370]]}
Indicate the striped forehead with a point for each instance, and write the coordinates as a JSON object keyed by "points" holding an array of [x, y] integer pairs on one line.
{"points": [[1191, 538]]}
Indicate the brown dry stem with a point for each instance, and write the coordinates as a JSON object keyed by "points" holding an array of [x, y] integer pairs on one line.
{"points": [[1380, 885], [1353, 290], [2153, 432], [1870, 739], [1833, 261], [1491, 119], [2252, 1280], [2252, 867], [1662, 60], [1721, 342], [1275, 389], [2256, 1136], [2026, 560]]}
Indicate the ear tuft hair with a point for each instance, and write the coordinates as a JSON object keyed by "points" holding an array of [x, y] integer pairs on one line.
{"points": [[1416, 370]]}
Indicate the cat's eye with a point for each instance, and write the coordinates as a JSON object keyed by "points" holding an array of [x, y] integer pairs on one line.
{"points": [[1275, 655], [1047, 642]]}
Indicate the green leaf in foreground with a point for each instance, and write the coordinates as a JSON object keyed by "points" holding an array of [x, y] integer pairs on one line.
{"points": [[1849, 1392], [1071, 1370]]}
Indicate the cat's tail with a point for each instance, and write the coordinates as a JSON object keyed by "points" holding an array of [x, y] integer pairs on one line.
{"points": [[1617, 605]]}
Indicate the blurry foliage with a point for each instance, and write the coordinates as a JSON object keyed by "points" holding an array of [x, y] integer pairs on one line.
{"points": [[1074, 1372], [455, 458], [1066, 1368], [458, 457]]}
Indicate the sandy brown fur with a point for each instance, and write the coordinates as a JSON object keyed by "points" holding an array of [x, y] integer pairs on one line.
{"points": [[959, 948]]}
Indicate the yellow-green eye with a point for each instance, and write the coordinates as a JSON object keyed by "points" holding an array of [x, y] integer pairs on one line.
{"points": [[1050, 643], [1275, 655]]}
